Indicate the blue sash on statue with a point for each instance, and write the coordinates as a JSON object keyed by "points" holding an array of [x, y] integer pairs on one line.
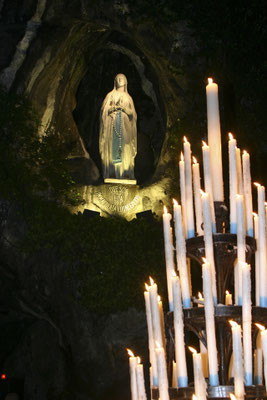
{"points": [[117, 140]]}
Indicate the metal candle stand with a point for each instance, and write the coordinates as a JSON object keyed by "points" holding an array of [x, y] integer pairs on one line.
{"points": [[225, 254]]}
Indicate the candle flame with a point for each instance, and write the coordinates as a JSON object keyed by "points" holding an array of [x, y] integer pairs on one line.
{"points": [[165, 210], [210, 80], [192, 349], [174, 274], [151, 281], [203, 193], [205, 261], [130, 353], [255, 215], [227, 292], [230, 136], [159, 298], [257, 184], [261, 327], [265, 203], [158, 346], [182, 156], [232, 396], [233, 324], [245, 152], [200, 297], [185, 139], [175, 202], [243, 264], [194, 160], [138, 360], [194, 397], [204, 144], [147, 287]]}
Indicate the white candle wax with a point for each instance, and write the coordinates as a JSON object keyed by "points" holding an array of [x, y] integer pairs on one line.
{"points": [[247, 193], [182, 191], [188, 190], [168, 246], [200, 385], [197, 197], [246, 323], [258, 366], [237, 361], [210, 325], [178, 323], [262, 246], [208, 181], [214, 140], [241, 243], [257, 259], [162, 374], [209, 241], [140, 382], [133, 381], [264, 349], [181, 255], [228, 298], [154, 305], [151, 342], [232, 182], [240, 186]]}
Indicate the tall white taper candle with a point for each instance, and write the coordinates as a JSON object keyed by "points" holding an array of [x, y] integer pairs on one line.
{"points": [[197, 197], [237, 360], [247, 193], [208, 181], [151, 342], [140, 381], [257, 260], [232, 182], [169, 254], [133, 381], [189, 190], [200, 385], [241, 243], [182, 191], [154, 306], [162, 373], [246, 323]]}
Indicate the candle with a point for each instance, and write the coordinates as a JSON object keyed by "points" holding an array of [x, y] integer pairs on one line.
{"points": [[264, 348], [240, 188], [208, 181], [210, 324], [209, 241], [246, 322], [257, 260], [262, 245], [162, 373], [214, 139], [178, 323], [181, 255], [188, 190], [141, 391], [247, 193], [228, 298], [203, 349], [237, 360], [200, 386], [152, 354], [168, 246], [174, 375], [161, 314], [197, 197], [232, 182], [133, 381], [241, 243], [154, 306], [258, 366], [182, 191]]}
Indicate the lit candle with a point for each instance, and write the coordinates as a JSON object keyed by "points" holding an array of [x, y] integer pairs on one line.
{"points": [[262, 245], [197, 198], [151, 342], [258, 366], [162, 373], [264, 348], [200, 385], [210, 324], [246, 322], [154, 306], [240, 187], [214, 139], [247, 193], [181, 255], [188, 190], [241, 243], [237, 360], [257, 259], [228, 298], [140, 380], [182, 191], [178, 323], [168, 246], [133, 381], [209, 241], [208, 181], [232, 182]]}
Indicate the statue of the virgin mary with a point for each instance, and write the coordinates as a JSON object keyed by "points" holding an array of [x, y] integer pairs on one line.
{"points": [[118, 134]]}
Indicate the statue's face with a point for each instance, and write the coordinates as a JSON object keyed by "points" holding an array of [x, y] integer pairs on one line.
{"points": [[120, 80]]}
